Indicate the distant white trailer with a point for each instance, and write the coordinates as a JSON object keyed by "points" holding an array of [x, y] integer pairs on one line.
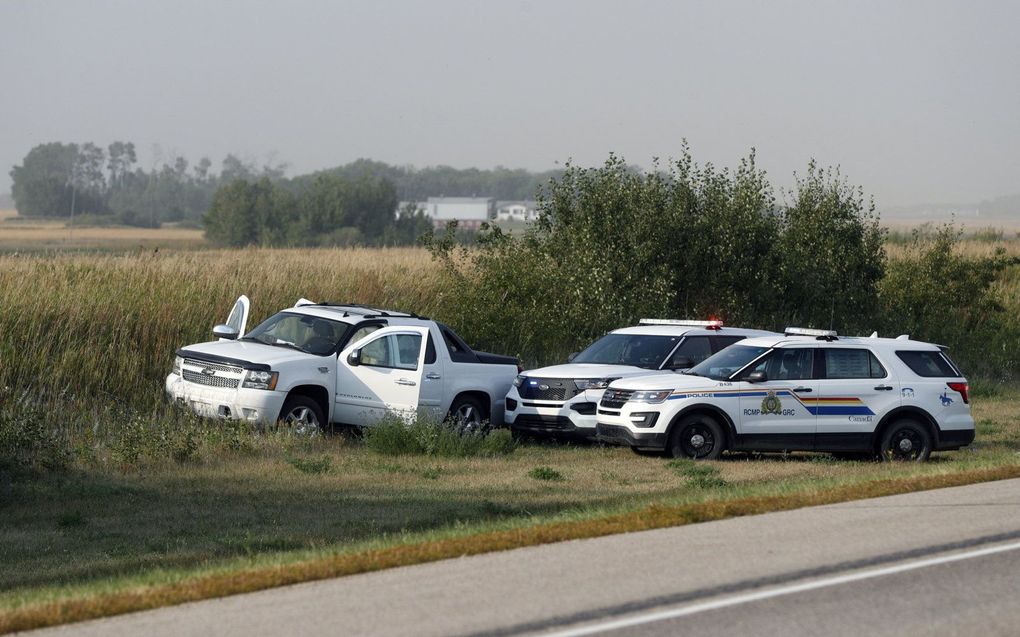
{"points": [[470, 212]]}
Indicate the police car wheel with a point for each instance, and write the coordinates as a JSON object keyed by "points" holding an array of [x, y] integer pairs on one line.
{"points": [[698, 437], [906, 441]]}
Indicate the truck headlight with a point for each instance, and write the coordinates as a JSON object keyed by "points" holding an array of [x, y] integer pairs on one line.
{"points": [[651, 396], [520, 380], [596, 383], [178, 361], [254, 379]]}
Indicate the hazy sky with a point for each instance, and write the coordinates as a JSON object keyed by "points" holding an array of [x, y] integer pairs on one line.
{"points": [[917, 101]]}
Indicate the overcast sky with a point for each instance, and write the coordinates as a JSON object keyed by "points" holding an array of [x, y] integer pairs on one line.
{"points": [[917, 101]]}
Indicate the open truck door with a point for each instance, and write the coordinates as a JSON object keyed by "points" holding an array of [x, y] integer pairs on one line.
{"points": [[237, 321], [380, 374]]}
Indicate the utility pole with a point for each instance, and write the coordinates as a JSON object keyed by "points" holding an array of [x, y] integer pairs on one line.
{"points": [[70, 225]]}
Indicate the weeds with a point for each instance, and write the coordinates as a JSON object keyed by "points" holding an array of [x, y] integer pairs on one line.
{"points": [[30, 443], [699, 474], [312, 466], [547, 474], [429, 437]]}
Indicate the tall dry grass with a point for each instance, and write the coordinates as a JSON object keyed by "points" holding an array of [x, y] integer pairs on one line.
{"points": [[103, 325]]}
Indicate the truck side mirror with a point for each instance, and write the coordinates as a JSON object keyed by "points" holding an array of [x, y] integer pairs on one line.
{"points": [[224, 331], [572, 356], [354, 358], [757, 377]]}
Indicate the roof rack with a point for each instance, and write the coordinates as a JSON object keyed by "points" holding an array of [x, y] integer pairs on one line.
{"points": [[368, 311], [822, 335], [714, 324]]}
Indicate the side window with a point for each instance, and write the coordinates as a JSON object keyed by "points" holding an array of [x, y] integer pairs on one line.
{"points": [[694, 348], [377, 353], [852, 363], [787, 364], [408, 349], [722, 342], [430, 350], [362, 332], [929, 364]]}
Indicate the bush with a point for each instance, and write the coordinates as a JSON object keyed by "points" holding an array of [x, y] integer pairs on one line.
{"points": [[614, 244], [30, 444], [425, 436]]}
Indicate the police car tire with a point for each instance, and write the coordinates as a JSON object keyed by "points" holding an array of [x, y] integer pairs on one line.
{"points": [[905, 440], [684, 444]]}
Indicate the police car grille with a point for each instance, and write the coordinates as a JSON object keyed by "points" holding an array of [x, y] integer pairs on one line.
{"points": [[212, 381], [214, 366], [556, 389], [615, 398]]}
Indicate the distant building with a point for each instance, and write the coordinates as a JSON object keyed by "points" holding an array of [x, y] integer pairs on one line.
{"points": [[516, 211], [470, 212]]}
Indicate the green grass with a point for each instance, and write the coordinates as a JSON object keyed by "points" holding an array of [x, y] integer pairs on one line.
{"points": [[240, 503]]}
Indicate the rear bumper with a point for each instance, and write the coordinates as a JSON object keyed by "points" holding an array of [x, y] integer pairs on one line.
{"points": [[619, 435], [950, 439]]}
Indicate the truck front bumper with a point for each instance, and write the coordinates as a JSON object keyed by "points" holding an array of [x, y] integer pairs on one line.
{"points": [[253, 405]]}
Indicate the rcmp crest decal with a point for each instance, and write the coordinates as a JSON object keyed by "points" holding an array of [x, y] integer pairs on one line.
{"points": [[771, 404]]}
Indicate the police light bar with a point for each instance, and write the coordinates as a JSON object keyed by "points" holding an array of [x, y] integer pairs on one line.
{"points": [[803, 331], [714, 324]]}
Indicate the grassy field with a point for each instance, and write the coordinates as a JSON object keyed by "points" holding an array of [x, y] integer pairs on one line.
{"points": [[18, 234], [118, 523], [154, 511]]}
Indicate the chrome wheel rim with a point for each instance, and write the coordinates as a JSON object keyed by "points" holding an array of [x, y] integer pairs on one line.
{"points": [[467, 416], [302, 421]]}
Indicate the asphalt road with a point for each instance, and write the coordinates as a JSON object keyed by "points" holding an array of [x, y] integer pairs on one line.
{"points": [[941, 562]]}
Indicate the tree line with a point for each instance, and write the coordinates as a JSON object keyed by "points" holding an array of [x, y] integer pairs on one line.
{"points": [[66, 180]]}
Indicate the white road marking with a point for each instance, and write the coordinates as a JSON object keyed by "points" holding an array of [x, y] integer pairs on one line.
{"points": [[746, 598]]}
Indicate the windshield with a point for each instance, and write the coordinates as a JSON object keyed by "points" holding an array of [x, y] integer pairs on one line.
{"points": [[298, 331], [640, 350], [725, 363]]}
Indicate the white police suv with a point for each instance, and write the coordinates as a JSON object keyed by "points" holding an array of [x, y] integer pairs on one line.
{"points": [[561, 400], [807, 390]]}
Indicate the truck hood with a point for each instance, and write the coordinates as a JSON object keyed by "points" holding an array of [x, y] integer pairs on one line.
{"points": [[246, 353], [589, 370], [669, 381]]}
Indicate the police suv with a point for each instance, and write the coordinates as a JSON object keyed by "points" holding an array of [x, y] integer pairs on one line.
{"points": [[561, 400], [806, 390]]}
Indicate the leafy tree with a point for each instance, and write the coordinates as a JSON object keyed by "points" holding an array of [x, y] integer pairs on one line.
{"points": [[244, 213], [43, 184]]}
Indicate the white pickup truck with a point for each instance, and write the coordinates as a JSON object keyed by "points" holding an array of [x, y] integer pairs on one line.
{"points": [[319, 364]]}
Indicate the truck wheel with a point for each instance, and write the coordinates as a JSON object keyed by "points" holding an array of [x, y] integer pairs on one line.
{"points": [[302, 416], [466, 413], [905, 440], [698, 437]]}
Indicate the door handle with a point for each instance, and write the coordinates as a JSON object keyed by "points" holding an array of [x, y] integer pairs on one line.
{"points": [[433, 376], [802, 390], [884, 388], [404, 381]]}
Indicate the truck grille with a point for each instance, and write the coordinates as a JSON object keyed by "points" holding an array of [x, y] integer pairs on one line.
{"points": [[558, 389], [215, 366], [615, 398], [212, 381]]}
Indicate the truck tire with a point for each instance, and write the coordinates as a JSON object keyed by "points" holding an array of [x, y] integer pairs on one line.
{"points": [[302, 416], [466, 413]]}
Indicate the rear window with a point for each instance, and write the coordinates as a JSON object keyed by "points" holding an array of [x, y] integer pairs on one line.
{"points": [[930, 364]]}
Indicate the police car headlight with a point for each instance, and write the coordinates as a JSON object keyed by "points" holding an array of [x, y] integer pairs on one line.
{"points": [[651, 396], [520, 380], [596, 383], [255, 379]]}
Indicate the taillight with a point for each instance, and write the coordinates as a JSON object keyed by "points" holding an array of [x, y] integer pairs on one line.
{"points": [[962, 389]]}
